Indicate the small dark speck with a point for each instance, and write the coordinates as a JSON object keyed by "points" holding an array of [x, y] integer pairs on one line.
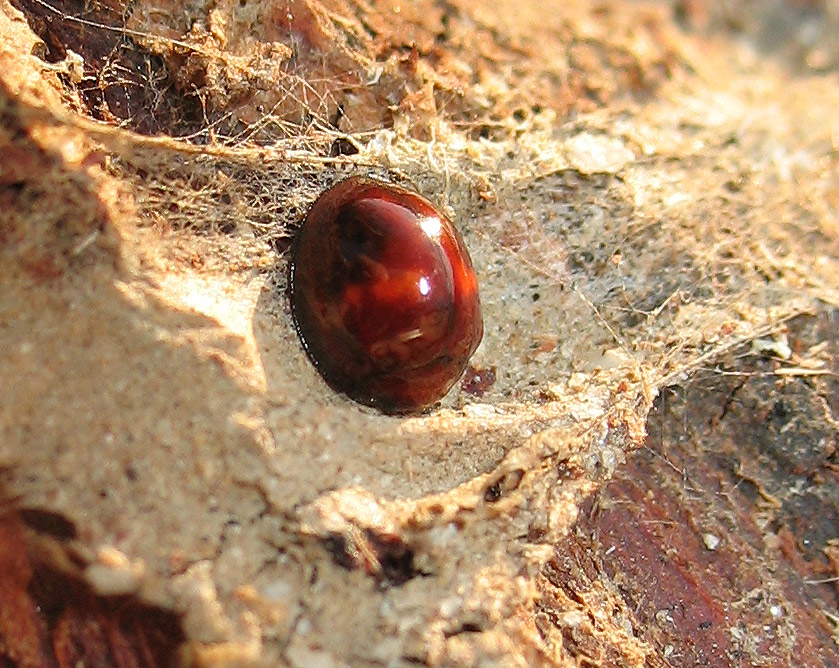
{"points": [[477, 381], [342, 146], [493, 492], [706, 625]]}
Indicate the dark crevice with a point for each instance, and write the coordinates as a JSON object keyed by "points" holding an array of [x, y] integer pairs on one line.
{"points": [[52, 618], [386, 558], [48, 522], [122, 83]]}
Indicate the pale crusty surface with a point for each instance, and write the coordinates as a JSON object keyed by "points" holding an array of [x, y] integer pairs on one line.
{"points": [[155, 392]]}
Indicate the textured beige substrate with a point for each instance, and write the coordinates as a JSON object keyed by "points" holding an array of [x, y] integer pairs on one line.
{"points": [[154, 390]]}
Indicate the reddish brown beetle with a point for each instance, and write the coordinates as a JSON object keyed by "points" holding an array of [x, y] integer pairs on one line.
{"points": [[384, 295]]}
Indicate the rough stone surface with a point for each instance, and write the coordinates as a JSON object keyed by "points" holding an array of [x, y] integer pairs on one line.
{"points": [[646, 191]]}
